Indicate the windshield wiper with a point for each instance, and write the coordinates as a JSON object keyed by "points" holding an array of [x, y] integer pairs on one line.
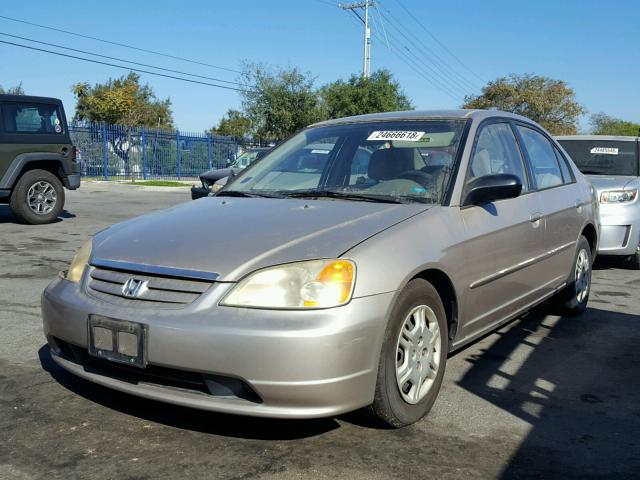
{"points": [[343, 196], [254, 194], [592, 172]]}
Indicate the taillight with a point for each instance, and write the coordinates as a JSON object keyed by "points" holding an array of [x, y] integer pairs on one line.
{"points": [[74, 153]]}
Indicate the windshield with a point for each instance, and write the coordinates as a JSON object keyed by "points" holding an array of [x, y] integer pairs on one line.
{"points": [[402, 161], [246, 159], [603, 157]]}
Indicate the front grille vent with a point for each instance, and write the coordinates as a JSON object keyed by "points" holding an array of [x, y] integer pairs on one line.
{"points": [[109, 285]]}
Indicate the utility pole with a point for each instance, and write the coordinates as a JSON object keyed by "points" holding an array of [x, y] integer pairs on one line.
{"points": [[353, 7]]}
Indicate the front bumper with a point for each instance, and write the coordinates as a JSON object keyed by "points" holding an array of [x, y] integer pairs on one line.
{"points": [[300, 364], [620, 229]]}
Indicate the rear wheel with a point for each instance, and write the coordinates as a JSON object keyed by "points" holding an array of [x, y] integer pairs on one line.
{"points": [[413, 357], [574, 298], [38, 197]]}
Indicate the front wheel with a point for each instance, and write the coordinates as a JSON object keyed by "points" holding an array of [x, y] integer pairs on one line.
{"points": [[38, 197], [574, 298], [413, 357]]}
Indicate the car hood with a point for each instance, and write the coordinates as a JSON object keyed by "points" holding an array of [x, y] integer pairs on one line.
{"points": [[218, 173], [234, 236], [609, 182]]}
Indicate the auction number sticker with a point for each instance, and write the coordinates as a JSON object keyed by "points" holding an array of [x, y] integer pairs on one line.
{"points": [[385, 135], [604, 150]]}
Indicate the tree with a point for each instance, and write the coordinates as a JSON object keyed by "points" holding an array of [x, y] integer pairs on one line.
{"points": [[603, 124], [279, 102], [359, 95], [17, 90], [549, 102], [233, 124], [122, 101]]}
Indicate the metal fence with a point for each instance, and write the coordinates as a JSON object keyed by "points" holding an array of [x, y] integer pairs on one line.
{"points": [[116, 151]]}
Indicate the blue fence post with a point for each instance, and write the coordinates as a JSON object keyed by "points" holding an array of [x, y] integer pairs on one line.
{"points": [[144, 155], [209, 151], [105, 159], [179, 155]]}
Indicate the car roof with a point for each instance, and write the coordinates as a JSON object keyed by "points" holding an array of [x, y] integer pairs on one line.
{"points": [[28, 98], [424, 115], [597, 137]]}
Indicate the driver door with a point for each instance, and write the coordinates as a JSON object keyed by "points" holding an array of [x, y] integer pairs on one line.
{"points": [[502, 236]]}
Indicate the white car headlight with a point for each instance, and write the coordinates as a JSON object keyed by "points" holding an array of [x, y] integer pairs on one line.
{"points": [[81, 259], [297, 286], [618, 196]]}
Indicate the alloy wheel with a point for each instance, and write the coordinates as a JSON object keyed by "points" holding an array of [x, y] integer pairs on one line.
{"points": [[42, 197], [417, 354], [582, 276]]}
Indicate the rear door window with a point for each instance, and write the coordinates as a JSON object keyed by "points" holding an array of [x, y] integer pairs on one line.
{"points": [[32, 118], [544, 163]]}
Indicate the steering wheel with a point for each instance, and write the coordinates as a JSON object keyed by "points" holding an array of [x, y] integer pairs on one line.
{"points": [[418, 176]]}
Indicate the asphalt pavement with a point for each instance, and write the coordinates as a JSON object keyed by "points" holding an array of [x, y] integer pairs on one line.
{"points": [[543, 397]]}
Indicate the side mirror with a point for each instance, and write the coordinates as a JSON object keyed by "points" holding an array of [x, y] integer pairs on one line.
{"points": [[228, 164], [490, 188]]}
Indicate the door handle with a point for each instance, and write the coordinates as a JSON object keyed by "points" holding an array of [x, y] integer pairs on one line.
{"points": [[535, 217]]}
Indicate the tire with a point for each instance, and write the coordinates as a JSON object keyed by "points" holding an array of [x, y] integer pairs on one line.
{"points": [[572, 301], [634, 260], [391, 406], [37, 190]]}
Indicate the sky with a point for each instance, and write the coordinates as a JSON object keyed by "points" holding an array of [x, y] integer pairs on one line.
{"points": [[591, 47]]}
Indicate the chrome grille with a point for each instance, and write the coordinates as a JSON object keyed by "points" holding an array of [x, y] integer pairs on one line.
{"points": [[108, 285]]}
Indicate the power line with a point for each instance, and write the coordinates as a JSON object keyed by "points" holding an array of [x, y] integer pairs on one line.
{"points": [[411, 63], [425, 74], [426, 70], [119, 44], [122, 66], [120, 59], [452, 75], [439, 42]]}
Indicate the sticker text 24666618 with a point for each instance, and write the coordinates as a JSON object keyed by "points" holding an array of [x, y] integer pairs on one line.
{"points": [[407, 136]]}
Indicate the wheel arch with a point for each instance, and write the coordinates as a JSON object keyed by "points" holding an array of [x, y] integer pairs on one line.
{"points": [[444, 286], [50, 162], [591, 234]]}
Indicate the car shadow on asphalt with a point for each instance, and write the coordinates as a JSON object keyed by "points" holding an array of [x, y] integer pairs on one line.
{"points": [[577, 388], [6, 216], [182, 417]]}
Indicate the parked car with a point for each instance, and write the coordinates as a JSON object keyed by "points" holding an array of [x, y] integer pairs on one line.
{"points": [[612, 165], [208, 179], [307, 158], [334, 287], [37, 158]]}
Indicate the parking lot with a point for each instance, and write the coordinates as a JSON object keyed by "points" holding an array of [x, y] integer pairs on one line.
{"points": [[543, 397]]}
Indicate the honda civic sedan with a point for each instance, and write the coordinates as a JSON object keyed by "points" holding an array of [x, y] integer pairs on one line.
{"points": [[345, 276]]}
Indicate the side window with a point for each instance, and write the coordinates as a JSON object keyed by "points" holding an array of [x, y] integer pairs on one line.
{"points": [[567, 174], [31, 118], [542, 157], [497, 151]]}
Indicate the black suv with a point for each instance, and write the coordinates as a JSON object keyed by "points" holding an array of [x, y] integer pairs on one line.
{"points": [[36, 157]]}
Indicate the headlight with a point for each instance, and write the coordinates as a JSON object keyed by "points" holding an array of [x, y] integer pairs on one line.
{"points": [[301, 285], [618, 196], [74, 274]]}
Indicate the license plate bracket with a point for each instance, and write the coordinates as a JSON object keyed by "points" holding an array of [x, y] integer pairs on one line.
{"points": [[119, 341]]}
